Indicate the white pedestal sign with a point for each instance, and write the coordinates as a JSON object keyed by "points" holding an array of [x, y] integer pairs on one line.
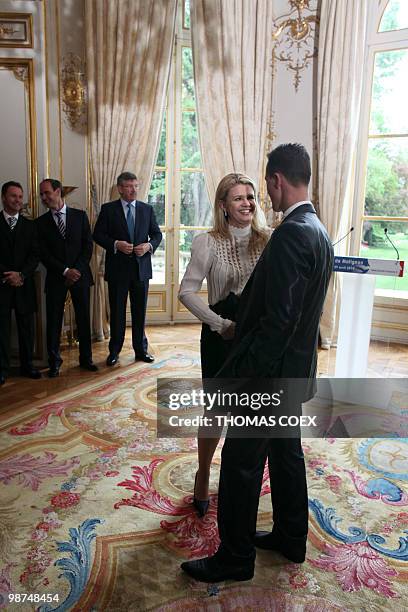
{"points": [[357, 310]]}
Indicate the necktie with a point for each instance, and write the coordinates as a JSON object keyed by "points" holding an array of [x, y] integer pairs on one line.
{"points": [[12, 222], [60, 224], [130, 222]]}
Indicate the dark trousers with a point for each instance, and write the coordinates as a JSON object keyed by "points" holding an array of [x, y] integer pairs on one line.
{"points": [[55, 302], [213, 351], [213, 348], [118, 294], [25, 331], [242, 467]]}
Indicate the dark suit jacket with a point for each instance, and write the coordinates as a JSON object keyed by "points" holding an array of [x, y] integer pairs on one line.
{"points": [[58, 254], [18, 252], [111, 225], [281, 305]]}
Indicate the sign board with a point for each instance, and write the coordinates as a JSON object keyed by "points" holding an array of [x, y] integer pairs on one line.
{"points": [[363, 265]]}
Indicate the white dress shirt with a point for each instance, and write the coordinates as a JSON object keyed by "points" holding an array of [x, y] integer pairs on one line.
{"points": [[294, 206], [7, 217], [63, 212]]}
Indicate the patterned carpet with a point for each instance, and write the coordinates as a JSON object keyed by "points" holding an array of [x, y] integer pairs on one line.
{"points": [[96, 511]]}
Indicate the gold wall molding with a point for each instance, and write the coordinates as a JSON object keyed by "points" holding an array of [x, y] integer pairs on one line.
{"points": [[58, 72], [272, 218], [74, 94], [23, 70], [21, 73], [294, 35], [156, 301], [401, 307], [384, 325], [38, 344], [16, 30]]}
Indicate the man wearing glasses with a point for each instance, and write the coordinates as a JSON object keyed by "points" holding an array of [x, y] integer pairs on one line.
{"points": [[127, 229]]}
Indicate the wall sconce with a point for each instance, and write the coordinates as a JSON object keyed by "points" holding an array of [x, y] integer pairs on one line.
{"points": [[67, 189], [74, 90]]}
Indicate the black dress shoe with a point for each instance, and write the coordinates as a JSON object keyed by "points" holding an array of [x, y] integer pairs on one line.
{"points": [[201, 505], [212, 569], [88, 365], [147, 357], [31, 372], [268, 541], [53, 372], [112, 359], [2, 379]]}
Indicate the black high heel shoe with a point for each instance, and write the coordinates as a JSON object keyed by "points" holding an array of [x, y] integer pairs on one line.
{"points": [[201, 505]]}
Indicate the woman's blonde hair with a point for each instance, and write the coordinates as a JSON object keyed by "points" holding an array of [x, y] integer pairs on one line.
{"points": [[260, 232]]}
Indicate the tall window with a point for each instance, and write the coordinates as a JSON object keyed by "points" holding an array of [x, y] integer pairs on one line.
{"points": [[178, 191], [386, 172]]}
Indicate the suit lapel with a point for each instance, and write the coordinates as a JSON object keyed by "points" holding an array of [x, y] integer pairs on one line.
{"points": [[17, 234], [138, 214], [68, 223], [5, 229], [122, 218], [52, 225]]}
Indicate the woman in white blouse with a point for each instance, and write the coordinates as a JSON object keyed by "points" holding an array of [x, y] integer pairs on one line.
{"points": [[225, 256]]}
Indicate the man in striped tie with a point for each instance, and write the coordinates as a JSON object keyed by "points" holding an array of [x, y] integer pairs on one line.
{"points": [[18, 262], [66, 245]]}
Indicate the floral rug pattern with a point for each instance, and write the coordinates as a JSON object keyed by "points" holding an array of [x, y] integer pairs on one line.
{"points": [[95, 512]]}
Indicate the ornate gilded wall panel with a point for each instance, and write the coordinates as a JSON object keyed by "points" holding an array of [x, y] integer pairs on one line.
{"points": [[16, 30], [18, 128], [294, 33]]}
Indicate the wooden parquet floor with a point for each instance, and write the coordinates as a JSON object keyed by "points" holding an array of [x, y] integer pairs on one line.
{"points": [[385, 359]]}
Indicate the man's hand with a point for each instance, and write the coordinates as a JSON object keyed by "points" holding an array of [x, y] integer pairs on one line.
{"points": [[72, 275], [229, 333], [124, 247], [141, 249], [13, 278]]}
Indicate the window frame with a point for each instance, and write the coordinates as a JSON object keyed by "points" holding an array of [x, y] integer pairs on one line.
{"points": [[173, 174], [392, 40]]}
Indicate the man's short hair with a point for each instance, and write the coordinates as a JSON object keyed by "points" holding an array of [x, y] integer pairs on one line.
{"points": [[126, 176], [55, 184], [5, 186], [293, 161]]}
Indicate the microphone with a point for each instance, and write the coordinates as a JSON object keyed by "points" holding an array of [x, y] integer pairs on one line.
{"points": [[343, 237], [391, 242]]}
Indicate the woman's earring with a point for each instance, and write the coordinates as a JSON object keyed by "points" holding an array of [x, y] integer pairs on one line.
{"points": [[225, 214]]}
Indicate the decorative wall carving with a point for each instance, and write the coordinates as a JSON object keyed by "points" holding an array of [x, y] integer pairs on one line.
{"points": [[21, 73], [74, 90], [294, 33], [18, 126], [16, 30], [272, 217]]}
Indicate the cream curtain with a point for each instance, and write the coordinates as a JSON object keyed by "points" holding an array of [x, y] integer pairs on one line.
{"points": [[232, 54], [342, 43], [129, 46]]}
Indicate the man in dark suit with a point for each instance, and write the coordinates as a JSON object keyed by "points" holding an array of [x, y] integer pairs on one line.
{"points": [[128, 230], [65, 243], [18, 261], [276, 338]]}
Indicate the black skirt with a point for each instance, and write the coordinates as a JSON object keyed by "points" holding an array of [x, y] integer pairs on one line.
{"points": [[214, 349]]}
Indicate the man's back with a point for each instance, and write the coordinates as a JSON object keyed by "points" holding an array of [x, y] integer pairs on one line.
{"points": [[281, 305]]}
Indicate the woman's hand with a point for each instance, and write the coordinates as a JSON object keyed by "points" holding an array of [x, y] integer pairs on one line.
{"points": [[229, 332]]}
